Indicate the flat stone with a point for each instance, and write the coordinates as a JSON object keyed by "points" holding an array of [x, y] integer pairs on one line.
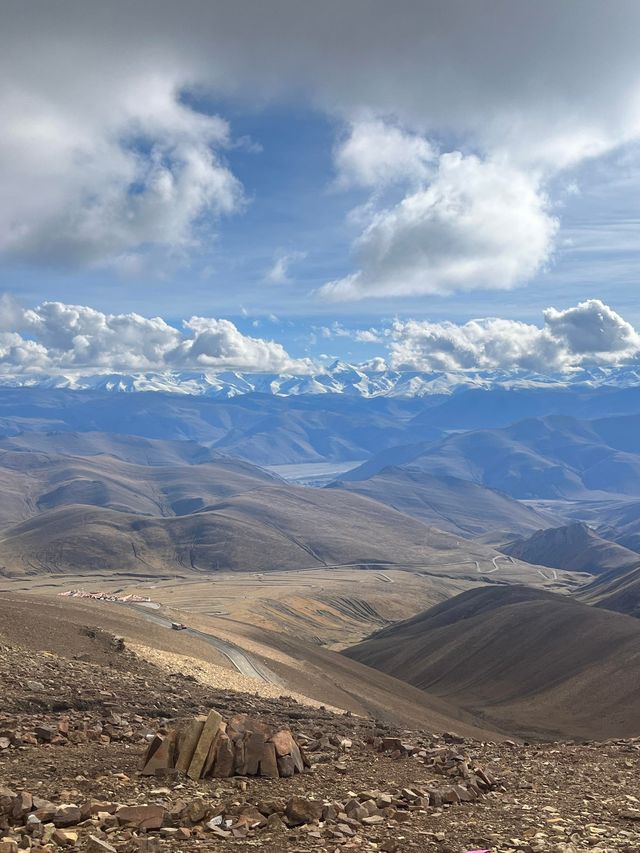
{"points": [[210, 732], [98, 845], [253, 748], [67, 815], [268, 762], [286, 767], [283, 742], [64, 837], [223, 764], [160, 755], [187, 741], [141, 817]]}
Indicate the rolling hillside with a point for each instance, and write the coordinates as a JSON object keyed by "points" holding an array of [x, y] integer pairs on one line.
{"points": [[261, 428], [533, 662], [615, 591], [99, 513], [276, 527], [38, 480], [458, 506]]}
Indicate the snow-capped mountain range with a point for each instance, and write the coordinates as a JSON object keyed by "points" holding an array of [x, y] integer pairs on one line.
{"points": [[338, 378]]}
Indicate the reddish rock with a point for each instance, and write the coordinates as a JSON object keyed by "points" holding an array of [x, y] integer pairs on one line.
{"points": [[286, 767], [253, 749], [223, 764], [268, 762], [67, 815], [160, 755], [210, 733], [283, 742], [187, 741], [141, 817]]}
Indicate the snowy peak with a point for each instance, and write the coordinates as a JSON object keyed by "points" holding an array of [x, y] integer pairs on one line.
{"points": [[339, 378]]}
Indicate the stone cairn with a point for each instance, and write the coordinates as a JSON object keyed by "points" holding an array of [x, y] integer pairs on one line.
{"points": [[210, 747]]}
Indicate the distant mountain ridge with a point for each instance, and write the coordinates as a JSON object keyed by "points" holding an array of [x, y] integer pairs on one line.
{"points": [[556, 456], [338, 378]]}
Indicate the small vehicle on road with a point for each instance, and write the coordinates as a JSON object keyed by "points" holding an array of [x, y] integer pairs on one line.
{"points": [[178, 626]]}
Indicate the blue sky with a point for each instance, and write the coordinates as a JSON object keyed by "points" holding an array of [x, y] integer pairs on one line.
{"points": [[309, 188]]}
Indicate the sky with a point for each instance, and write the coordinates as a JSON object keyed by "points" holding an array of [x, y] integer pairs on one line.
{"points": [[271, 185]]}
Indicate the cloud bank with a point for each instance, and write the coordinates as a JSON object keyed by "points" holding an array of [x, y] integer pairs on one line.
{"points": [[589, 333], [54, 337]]}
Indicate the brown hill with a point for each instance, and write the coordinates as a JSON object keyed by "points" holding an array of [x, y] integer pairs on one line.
{"points": [[575, 547], [449, 503], [527, 660], [36, 481], [273, 527], [128, 448], [615, 591], [68, 513], [60, 625]]}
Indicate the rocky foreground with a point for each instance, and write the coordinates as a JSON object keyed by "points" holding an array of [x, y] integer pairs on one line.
{"points": [[75, 735]]}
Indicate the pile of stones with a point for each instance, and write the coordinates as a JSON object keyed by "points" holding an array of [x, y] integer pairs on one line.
{"points": [[446, 760], [209, 747]]}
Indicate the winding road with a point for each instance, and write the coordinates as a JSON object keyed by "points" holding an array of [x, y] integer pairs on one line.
{"points": [[244, 663]]}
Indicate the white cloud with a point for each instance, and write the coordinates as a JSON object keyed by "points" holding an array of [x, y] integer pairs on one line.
{"points": [[78, 338], [279, 272], [136, 169], [592, 327], [590, 332], [375, 154], [363, 336], [369, 336], [477, 224], [103, 156]]}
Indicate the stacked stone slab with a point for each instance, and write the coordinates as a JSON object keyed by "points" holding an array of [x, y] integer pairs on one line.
{"points": [[210, 747]]}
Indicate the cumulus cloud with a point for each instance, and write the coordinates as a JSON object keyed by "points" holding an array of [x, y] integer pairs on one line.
{"points": [[103, 153], [376, 153], [477, 224], [589, 333], [592, 327], [95, 183], [55, 337]]}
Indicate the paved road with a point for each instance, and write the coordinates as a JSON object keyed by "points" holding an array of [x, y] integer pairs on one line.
{"points": [[243, 662]]}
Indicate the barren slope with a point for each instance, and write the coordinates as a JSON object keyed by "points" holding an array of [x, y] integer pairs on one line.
{"points": [[449, 503], [269, 528], [615, 591], [548, 457], [529, 661]]}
